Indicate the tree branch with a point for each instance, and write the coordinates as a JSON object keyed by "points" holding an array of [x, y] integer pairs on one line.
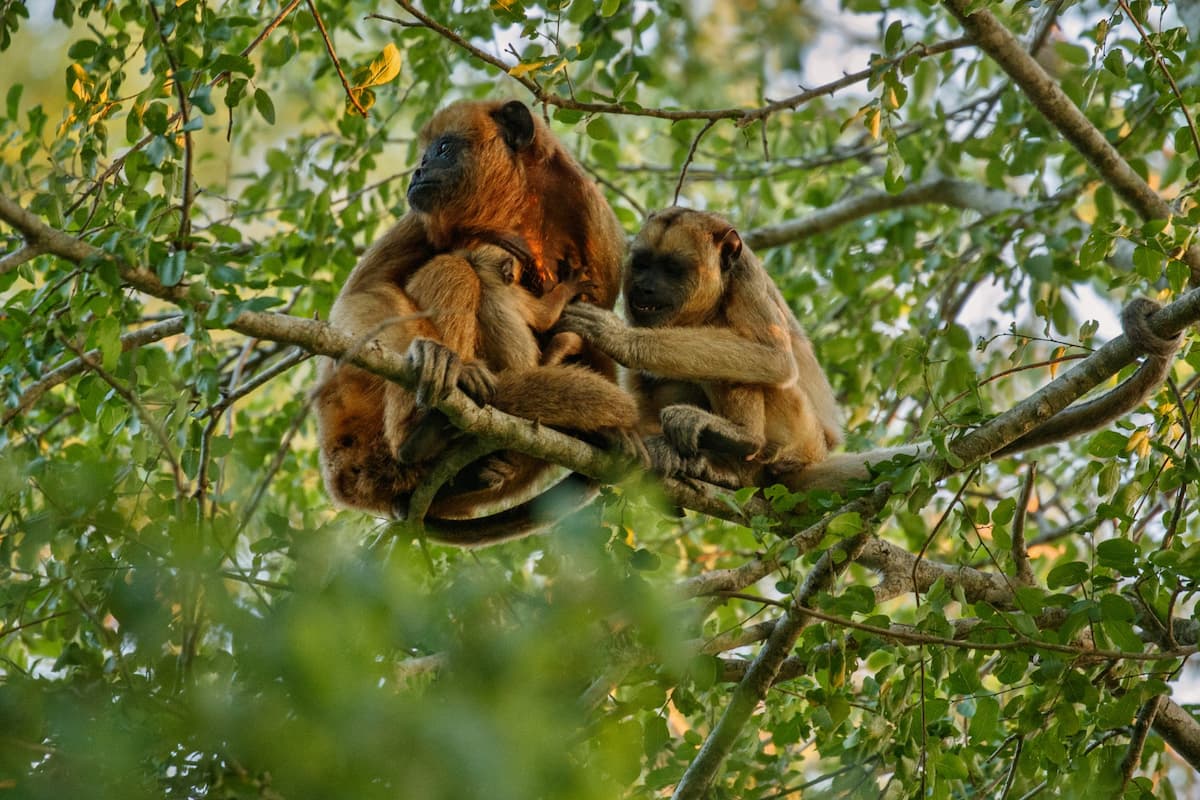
{"points": [[743, 116], [956, 193], [762, 672], [1181, 730], [1054, 104], [58, 375]]}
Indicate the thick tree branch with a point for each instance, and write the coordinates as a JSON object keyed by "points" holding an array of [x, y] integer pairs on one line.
{"points": [[1180, 729], [762, 672], [952, 192], [1054, 104]]}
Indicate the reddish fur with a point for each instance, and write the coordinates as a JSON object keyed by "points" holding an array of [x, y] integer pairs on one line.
{"points": [[538, 195]]}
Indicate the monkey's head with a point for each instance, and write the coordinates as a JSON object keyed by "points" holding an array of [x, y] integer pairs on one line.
{"points": [[475, 161], [679, 267]]}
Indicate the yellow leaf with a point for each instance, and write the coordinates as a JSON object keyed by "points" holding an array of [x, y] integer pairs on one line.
{"points": [[874, 122], [1054, 359], [1139, 442], [521, 70], [384, 68]]}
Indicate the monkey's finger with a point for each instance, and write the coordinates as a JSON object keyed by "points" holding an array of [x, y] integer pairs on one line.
{"points": [[448, 368]]}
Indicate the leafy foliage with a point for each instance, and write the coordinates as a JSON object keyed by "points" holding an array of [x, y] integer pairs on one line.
{"points": [[183, 613]]}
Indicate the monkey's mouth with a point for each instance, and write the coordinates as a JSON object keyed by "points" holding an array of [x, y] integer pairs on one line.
{"points": [[646, 307], [423, 195]]}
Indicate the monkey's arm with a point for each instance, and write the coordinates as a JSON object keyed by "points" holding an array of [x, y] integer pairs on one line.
{"points": [[695, 354]]}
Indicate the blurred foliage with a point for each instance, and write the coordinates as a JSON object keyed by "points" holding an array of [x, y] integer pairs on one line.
{"points": [[183, 613]]}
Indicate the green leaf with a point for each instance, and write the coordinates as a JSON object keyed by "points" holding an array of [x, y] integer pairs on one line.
{"points": [[12, 100], [1004, 511], [1069, 574], [262, 101], [1107, 444], [171, 268], [609, 7], [643, 559], [202, 99], [108, 338], [894, 37], [846, 524], [1119, 554], [1114, 607]]}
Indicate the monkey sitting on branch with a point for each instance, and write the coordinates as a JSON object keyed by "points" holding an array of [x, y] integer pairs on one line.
{"points": [[740, 402], [490, 171], [720, 366]]}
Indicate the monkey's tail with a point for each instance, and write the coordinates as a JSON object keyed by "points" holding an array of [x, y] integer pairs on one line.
{"points": [[1124, 397], [840, 469], [548, 508]]}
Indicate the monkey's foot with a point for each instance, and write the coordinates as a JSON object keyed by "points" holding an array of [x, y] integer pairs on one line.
{"points": [[496, 471], [630, 445], [478, 382], [437, 368]]}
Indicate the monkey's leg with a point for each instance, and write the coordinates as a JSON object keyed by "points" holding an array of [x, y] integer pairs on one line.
{"points": [[692, 430], [449, 290], [355, 409], [561, 347], [565, 396]]}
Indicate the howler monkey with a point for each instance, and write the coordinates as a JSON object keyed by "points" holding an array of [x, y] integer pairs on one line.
{"points": [[490, 172], [709, 348], [721, 366], [510, 314]]}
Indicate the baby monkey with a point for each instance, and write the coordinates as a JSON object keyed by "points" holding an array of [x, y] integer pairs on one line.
{"points": [[721, 368], [510, 315]]}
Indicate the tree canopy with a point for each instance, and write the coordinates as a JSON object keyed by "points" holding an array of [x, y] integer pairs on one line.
{"points": [[956, 199]]}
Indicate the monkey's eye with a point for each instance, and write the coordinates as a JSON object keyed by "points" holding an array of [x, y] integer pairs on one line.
{"points": [[443, 147]]}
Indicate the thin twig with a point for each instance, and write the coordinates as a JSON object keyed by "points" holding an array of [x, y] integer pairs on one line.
{"points": [[698, 777], [146, 417], [1183, 106], [1021, 642], [1024, 572], [119, 162], [333, 57], [743, 116], [691, 153], [185, 212], [450, 465], [133, 339], [1141, 729], [1011, 777], [937, 527]]}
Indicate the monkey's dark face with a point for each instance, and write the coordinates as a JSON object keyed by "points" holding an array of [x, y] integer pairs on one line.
{"points": [[472, 150], [676, 270], [656, 287], [440, 175]]}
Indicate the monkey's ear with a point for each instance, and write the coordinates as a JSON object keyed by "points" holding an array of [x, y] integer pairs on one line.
{"points": [[730, 245], [516, 124]]}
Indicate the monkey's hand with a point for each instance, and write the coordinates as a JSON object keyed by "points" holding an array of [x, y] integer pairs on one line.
{"points": [[598, 326], [439, 369]]}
